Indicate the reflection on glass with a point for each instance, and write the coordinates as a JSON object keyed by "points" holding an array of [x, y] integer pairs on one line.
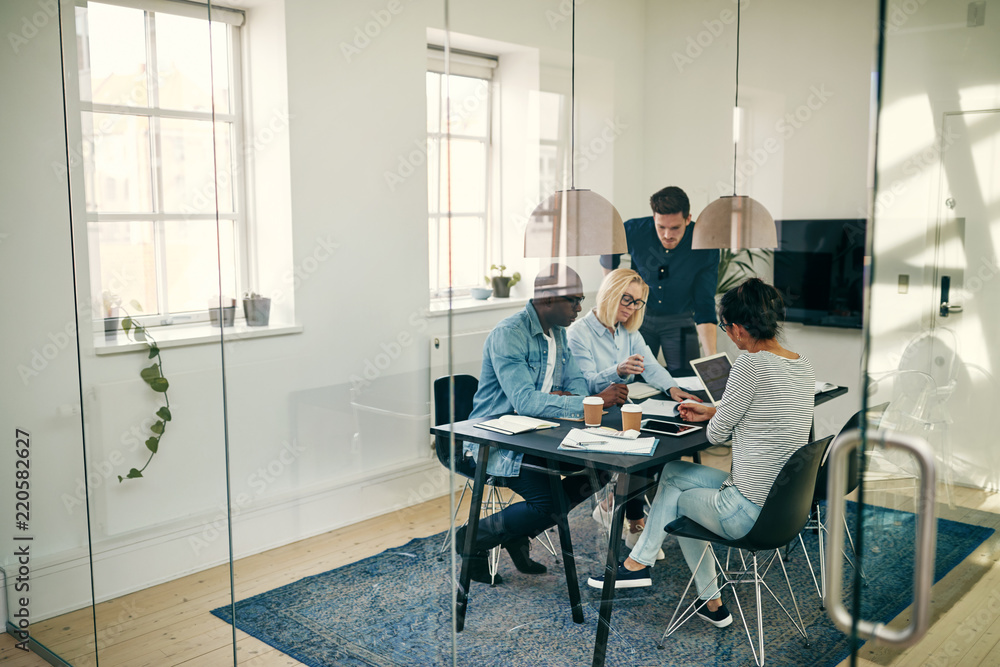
{"points": [[127, 265], [193, 268], [117, 165]]}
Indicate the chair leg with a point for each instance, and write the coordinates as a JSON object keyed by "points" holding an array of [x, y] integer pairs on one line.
{"points": [[447, 535], [857, 561]]}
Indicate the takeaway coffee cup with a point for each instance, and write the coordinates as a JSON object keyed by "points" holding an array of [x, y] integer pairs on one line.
{"points": [[631, 417], [593, 407]]}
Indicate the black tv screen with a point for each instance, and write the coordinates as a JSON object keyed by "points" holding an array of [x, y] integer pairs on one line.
{"points": [[819, 270]]}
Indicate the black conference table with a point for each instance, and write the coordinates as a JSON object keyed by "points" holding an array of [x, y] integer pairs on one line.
{"points": [[545, 445]]}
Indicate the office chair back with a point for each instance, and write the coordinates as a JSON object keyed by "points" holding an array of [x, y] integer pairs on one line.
{"points": [[789, 501], [465, 391], [854, 471]]}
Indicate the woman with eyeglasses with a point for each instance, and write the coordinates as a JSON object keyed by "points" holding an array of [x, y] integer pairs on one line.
{"points": [[767, 412], [609, 349]]}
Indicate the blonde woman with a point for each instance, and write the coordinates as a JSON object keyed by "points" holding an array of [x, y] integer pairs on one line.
{"points": [[609, 349]]}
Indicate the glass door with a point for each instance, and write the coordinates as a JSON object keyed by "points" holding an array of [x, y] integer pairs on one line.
{"points": [[926, 508]]}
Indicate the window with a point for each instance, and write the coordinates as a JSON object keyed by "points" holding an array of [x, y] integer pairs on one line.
{"points": [[161, 122], [469, 89]]}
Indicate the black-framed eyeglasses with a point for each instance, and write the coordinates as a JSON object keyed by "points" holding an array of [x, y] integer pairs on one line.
{"points": [[575, 300], [627, 301], [723, 325]]}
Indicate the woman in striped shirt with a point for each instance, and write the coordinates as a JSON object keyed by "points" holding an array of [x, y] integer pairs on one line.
{"points": [[766, 410]]}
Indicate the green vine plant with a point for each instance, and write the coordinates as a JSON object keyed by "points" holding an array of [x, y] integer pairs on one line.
{"points": [[152, 376], [735, 267]]}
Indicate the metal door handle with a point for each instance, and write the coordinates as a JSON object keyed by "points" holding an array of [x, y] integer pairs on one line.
{"points": [[923, 561], [947, 307]]}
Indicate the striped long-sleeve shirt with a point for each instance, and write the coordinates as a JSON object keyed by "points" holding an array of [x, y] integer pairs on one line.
{"points": [[767, 410]]}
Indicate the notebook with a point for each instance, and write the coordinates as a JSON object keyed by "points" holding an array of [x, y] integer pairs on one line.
{"points": [[713, 372], [513, 424], [640, 390], [610, 442]]}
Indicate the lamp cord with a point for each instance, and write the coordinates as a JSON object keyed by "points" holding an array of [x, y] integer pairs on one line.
{"points": [[736, 104], [572, 104]]}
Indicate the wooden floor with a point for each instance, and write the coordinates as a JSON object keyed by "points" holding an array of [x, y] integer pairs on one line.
{"points": [[170, 624]]}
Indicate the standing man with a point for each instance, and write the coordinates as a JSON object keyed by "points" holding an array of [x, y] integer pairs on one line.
{"points": [[682, 281], [528, 368]]}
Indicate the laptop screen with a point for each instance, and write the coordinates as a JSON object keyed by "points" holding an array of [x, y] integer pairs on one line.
{"points": [[714, 373]]}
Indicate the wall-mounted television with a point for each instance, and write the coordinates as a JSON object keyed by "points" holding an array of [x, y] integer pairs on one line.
{"points": [[819, 270]]}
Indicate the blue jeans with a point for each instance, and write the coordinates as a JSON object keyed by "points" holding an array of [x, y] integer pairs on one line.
{"points": [[692, 490], [539, 510]]}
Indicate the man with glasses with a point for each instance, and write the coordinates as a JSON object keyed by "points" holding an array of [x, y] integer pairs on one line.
{"points": [[681, 307], [528, 369]]}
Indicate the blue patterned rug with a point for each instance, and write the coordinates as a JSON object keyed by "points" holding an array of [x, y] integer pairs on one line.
{"points": [[394, 608]]}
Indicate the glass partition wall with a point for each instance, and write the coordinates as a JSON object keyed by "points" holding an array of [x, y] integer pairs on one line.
{"points": [[338, 185]]}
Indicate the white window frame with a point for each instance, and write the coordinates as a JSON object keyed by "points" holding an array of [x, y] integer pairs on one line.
{"points": [[234, 19], [479, 66]]}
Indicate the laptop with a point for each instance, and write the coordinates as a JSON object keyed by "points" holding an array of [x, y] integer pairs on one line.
{"points": [[713, 372]]}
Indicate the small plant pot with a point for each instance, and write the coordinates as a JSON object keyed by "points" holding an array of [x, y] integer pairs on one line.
{"points": [[481, 293], [501, 287], [257, 311], [227, 319], [111, 326]]}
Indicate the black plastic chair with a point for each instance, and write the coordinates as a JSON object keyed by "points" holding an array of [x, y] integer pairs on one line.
{"points": [[465, 391], [781, 519], [820, 495]]}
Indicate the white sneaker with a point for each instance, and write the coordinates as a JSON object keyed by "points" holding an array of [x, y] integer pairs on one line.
{"points": [[602, 516], [660, 555]]}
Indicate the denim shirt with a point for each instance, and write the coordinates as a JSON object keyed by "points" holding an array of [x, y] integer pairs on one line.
{"points": [[515, 356], [598, 354]]}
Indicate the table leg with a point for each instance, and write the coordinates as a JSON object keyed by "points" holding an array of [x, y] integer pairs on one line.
{"points": [[565, 542], [611, 571], [464, 578]]}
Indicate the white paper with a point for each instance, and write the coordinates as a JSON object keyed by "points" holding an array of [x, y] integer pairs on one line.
{"points": [[824, 386], [690, 383], [658, 408]]}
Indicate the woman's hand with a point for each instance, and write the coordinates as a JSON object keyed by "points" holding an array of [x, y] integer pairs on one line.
{"points": [[695, 412], [631, 366], [678, 394]]}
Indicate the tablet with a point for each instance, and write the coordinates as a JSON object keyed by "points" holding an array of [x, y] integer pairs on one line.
{"points": [[713, 372], [668, 428]]}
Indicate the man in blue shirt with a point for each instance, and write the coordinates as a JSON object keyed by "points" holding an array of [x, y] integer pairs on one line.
{"points": [[682, 281], [528, 368]]}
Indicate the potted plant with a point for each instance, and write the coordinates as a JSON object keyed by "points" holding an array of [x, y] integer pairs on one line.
{"points": [[111, 303], [228, 315], [256, 309], [501, 283]]}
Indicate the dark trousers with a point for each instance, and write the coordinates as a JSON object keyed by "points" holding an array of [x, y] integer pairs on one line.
{"points": [[539, 509], [676, 335]]}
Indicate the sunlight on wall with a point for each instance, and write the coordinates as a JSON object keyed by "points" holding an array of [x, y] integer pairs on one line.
{"points": [[906, 124]]}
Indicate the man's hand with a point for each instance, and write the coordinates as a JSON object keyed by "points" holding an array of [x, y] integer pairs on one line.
{"points": [[616, 394], [695, 412], [631, 366], [678, 394]]}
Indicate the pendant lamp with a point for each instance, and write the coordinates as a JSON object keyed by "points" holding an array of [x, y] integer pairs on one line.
{"points": [[735, 222], [574, 223]]}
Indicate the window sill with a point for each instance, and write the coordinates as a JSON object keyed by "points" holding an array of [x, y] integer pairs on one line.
{"points": [[439, 307], [194, 334]]}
